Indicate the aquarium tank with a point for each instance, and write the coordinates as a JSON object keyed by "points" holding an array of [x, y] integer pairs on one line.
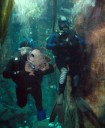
{"points": [[28, 97]]}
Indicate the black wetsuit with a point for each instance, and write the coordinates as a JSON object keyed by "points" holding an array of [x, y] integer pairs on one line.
{"points": [[67, 51], [26, 83]]}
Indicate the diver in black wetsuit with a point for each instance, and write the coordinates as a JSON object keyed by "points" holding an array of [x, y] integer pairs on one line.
{"points": [[66, 48], [67, 51], [27, 79]]}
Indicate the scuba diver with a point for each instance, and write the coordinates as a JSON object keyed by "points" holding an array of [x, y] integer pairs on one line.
{"points": [[66, 48], [27, 71]]}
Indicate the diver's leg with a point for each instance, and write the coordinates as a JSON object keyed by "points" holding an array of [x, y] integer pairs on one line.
{"points": [[62, 84], [37, 94], [61, 109], [75, 76], [54, 113], [62, 79], [58, 107], [21, 94], [75, 84]]}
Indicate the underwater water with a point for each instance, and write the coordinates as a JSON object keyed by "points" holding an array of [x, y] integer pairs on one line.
{"points": [[34, 21]]}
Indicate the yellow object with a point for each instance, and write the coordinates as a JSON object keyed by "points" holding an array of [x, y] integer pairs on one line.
{"points": [[6, 7]]}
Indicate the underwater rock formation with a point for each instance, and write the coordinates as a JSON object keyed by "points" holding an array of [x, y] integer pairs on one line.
{"points": [[91, 27]]}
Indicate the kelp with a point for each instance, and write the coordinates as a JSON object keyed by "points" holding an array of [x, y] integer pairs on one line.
{"points": [[54, 14], [6, 7]]}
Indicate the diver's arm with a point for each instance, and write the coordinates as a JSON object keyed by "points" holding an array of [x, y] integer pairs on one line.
{"points": [[8, 72], [51, 42], [12, 69]]}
